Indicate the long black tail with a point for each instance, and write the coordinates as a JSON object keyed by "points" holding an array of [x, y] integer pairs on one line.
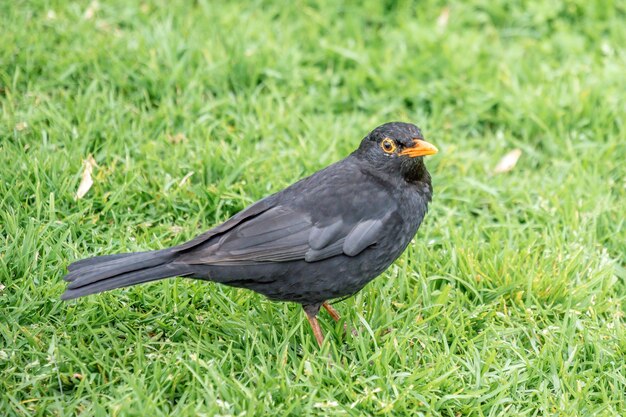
{"points": [[102, 273]]}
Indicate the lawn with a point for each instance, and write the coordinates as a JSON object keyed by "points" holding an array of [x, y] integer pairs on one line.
{"points": [[510, 301]]}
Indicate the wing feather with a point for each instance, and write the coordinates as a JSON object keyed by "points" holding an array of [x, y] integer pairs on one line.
{"points": [[363, 235], [283, 234], [320, 236], [334, 249]]}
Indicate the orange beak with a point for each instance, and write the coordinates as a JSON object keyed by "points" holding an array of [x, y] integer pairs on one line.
{"points": [[419, 148]]}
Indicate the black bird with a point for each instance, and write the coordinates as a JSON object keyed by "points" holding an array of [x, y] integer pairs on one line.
{"points": [[322, 238]]}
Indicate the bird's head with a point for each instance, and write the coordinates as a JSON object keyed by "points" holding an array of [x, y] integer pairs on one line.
{"points": [[396, 148]]}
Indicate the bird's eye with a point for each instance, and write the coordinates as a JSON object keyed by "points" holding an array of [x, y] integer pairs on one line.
{"points": [[388, 145]]}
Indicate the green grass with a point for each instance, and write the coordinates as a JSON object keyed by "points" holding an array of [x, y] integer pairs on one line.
{"points": [[510, 301]]}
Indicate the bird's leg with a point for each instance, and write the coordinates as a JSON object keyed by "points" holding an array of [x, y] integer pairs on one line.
{"points": [[311, 313], [333, 313]]}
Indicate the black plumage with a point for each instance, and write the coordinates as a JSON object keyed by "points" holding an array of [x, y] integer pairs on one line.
{"points": [[322, 238]]}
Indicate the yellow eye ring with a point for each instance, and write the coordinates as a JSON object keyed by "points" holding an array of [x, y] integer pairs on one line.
{"points": [[388, 145]]}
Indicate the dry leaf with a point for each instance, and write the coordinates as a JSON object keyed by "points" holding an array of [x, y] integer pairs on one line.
{"points": [[86, 182], [176, 229], [91, 10], [508, 161], [442, 20], [177, 138], [185, 178], [326, 404]]}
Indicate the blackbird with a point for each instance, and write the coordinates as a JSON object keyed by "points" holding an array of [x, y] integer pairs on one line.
{"points": [[320, 239]]}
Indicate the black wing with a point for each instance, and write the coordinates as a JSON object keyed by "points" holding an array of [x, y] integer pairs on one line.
{"points": [[316, 218], [247, 213], [282, 234]]}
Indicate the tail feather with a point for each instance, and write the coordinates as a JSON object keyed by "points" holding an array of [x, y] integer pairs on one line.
{"points": [[90, 276], [96, 270], [126, 279], [83, 263]]}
